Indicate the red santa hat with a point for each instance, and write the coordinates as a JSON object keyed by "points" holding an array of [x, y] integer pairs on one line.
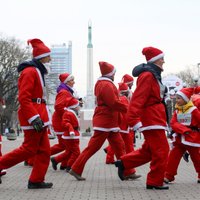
{"points": [[186, 93], [127, 79], [123, 87], [152, 54], [66, 77], [107, 69], [73, 103], [40, 50]]}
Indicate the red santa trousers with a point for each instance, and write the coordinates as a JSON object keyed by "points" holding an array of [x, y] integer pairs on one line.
{"points": [[35, 144], [95, 143], [128, 141], [71, 153], [175, 156], [57, 148], [30, 161], [155, 149]]}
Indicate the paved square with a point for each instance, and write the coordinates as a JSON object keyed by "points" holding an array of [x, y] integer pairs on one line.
{"points": [[102, 182]]}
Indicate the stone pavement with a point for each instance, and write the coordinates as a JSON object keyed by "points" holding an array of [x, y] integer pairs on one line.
{"points": [[102, 182]]}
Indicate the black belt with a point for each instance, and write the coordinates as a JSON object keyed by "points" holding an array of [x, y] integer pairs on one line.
{"points": [[39, 100], [195, 129]]}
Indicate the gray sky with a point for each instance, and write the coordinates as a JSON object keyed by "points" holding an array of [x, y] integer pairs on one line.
{"points": [[121, 28]]}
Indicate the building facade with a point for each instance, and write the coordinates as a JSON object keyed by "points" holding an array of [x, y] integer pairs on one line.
{"points": [[61, 56], [61, 62]]}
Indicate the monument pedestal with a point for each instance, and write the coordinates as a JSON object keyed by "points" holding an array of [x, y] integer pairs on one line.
{"points": [[86, 121]]}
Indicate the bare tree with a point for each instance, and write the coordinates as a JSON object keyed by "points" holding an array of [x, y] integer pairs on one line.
{"points": [[12, 52], [188, 75]]}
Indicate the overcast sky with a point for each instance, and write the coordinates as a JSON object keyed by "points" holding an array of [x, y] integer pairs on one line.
{"points": [[120, 29]]}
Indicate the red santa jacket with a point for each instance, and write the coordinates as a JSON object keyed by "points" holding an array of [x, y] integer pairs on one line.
{"points": [[187, 122], [62, 98], [70, 124], [106, 114], [146, 110], [123, 124], [31, 86]]}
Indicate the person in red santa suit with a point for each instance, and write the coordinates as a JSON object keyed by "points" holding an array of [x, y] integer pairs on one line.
{"points": [[147, 113], [186, 136], [125, 131], [70, 124], [195, 98], [34, 117], [65, 93], [129, 80], [105, 121]]}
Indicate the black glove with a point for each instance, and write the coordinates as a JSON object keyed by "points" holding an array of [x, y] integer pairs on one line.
{"points": [[37, 124], [80, 102]]}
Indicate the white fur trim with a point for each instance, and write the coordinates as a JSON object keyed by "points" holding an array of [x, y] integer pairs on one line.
{"points": [[70, 137], [31, 127], [185, 98], [43, 55], [189, 143], [32, 118], [137, 126], [74, 106], [129, 82], [115, 129], [111, 73], [153, 127], [69, 78], [58, 133], [124, 131], [72, 133], [156, 58], [104, 79]]}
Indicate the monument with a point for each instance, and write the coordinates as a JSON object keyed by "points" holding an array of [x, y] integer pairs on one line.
{"points": [[89, 100]]}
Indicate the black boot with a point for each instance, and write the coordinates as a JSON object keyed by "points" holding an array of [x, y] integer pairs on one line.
{"points": [[63, 167], [68, 169], [120, 166], [40, 185], [54, 163], [186, 156], [0, 180], [25, 163], [152, 187], [77, 176]]}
